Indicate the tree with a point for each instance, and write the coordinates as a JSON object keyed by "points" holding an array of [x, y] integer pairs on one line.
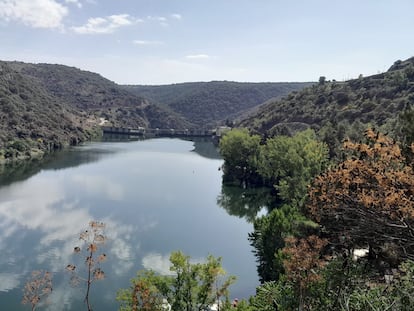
{"points": [[290, 163], [268, 237], [405, 131], [302, 263], [240, 151], [197, 285], [368, 200], [273, 296], [322, 80], [194, 286], [146, 293]]}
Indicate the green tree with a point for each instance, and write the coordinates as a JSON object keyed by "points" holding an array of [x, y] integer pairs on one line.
{"points": [[240, 151], [322, 80], [194, 286], [290, 164], [268, 237], [147, 292], [405, 131]]}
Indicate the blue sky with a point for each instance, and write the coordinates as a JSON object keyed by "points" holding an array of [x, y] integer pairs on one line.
{"points": [[172, 41]]}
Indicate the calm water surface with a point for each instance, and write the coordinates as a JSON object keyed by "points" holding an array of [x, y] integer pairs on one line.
{"points": [[155, 196]]}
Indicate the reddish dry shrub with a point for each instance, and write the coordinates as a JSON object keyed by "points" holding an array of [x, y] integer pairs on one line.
{"points": [[38, 286], [368, 199], [303, 259]]}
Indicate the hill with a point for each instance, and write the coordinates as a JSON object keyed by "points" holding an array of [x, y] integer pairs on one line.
{"points": [[209, 103], [45, 107], [340, 108], [91, 93], [32, 120]]}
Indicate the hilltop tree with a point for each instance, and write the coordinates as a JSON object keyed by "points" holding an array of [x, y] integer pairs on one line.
{"points": [[322, 80], [368, 200]]}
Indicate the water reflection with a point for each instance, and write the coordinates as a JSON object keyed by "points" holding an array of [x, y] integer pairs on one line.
{"points": [[244, 203], [205, 148], [158, 263], [50, 223], [9, 281], [99, 185], [71, 157], [155, 196]]}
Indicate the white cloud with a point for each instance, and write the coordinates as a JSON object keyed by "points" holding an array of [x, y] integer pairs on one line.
{"points": [[105, 25], [198, 56], [161, 19], [75, 2], [146, 42], [8, 281], [27, 206], [124, 259], [34, 13], [100, 185], [157, 263], [161, 263], [176, 16]]}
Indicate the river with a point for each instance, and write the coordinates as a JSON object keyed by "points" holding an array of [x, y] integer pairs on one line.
{"points": [[155, 196]]}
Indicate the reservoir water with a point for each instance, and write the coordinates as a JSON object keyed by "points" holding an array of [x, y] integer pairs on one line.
{"points": [[155, 196]]}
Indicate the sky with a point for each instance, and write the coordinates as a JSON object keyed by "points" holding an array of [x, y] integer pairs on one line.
{"points": [[174, 41]]}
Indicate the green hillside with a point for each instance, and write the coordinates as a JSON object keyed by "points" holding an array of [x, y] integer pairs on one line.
{"points": [[34, 121], [339, 107], [89, 92], [208, 103], [45, 107]]}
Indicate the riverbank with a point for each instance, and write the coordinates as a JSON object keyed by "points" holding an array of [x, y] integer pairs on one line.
{"points": [[22, 150]]}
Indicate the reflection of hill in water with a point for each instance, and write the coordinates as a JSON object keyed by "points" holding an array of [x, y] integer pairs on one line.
{"points": [[55, 161], [109, 137], [73, 157], [206, 148]]}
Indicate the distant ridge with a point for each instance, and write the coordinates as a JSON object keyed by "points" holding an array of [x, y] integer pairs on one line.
{"points": [[375, 100], [210, 103]]}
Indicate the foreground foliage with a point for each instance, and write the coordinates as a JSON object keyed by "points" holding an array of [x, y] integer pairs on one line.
{"points": [[191, 286], [38, 287], [92, 239], [368, 200]]}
